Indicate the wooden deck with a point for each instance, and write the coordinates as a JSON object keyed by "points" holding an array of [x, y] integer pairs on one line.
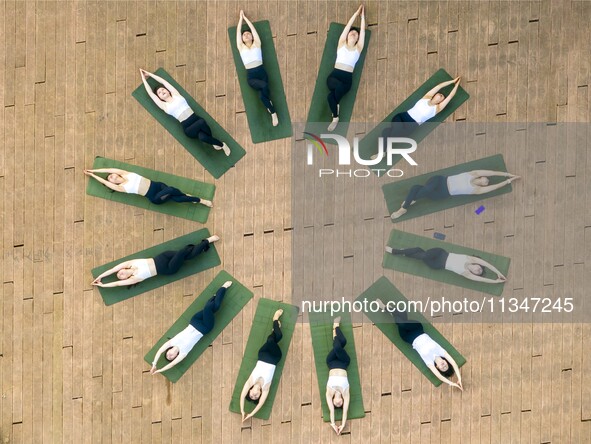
{"points": [[72, 369]]}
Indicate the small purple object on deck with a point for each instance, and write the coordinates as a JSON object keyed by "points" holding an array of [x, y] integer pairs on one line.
{"points": [[480, 209], [439, 236]]}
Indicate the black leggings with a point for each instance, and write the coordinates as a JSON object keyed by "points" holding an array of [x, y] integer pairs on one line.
{"points": [[339, 83], [169, 262], [203, 320], [270, 351], [338, 357], [408, 330], [258, 80], [159, 192], [402, 125], [196, 127], [435, 189], [434, 258]]}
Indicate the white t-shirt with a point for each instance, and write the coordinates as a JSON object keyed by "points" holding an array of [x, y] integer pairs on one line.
{"points": [[460, 184], [177, 106], [422, 111], [427, 348], [132, 183], [265, 371], [186, 339], [456, 263]]}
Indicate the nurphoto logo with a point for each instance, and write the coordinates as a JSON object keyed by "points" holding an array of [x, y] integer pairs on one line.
{"points": [[344, 154]]}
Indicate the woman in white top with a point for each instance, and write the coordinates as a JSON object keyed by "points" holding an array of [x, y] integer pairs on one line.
{"points": [[169, 100], [257, 386], [337, 386], [404, 123], [249, 45], [132, 183], [470, 267], [168, 262], [441, 187], [177, 348], [433, 355], [349, 49]]}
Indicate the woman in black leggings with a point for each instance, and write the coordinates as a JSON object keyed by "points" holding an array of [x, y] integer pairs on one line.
{"points": [[169, 100], [168, 262], [349, 50], [249, 45], [470, 267], [433, 355], [256, 388], [337, 385], [441, 187], [132, 183], [177, 348]]}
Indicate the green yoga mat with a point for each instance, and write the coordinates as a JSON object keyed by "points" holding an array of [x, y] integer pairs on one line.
{"points": [[207, 259], [236, 297], [214, 161], [190, 211], [368, 146], [386, 291], [400, 239], [319, 114], [262, 326], [396, 192], [321, 330], [259, 119]]}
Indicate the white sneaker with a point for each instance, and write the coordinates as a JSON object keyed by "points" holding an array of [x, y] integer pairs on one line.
{"points": [[333, 124], [275, 119], [226, 149]]}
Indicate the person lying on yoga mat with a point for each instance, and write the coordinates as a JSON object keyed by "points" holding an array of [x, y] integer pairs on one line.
{"points": [[442, 187], [337, 386], [249, 44], [177, 348], [132, 183], [349, 50], [433, 355], [257, 386], [433, 102], [169, 262], [169, 100], [470, 267]]}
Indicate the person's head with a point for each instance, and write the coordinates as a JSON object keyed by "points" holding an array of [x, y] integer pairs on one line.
{"points": [[481, 181], [171, 353], [353, 36], [476, 269], [247, 38], [444, 367], [337, 400], [437, 99], [162, 92], [254, 393], [124, 273], [115, 178]]}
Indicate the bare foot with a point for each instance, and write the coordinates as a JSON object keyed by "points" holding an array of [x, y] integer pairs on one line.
{"points": [[277, 314], [333, 124], [397, 214], [227, 284], [206, 202], [274, 119], [389, 249], [213, 239]]}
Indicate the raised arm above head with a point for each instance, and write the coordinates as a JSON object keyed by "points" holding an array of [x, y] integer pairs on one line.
{"points": [[255, 35], [159, 79], [110, 185], [346, 400], [436, 89], [489, 173], [165, 346], [109, 171], [442, 378], [343, 37], [329, 395], [455, 366], [449, 96], [486, 264], [361, 41], [247, 385], [178, 359], [115, 269], [261, 402], [239, 42]]}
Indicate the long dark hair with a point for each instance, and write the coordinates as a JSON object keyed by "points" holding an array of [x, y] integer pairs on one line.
{"points": [[450, 370]]}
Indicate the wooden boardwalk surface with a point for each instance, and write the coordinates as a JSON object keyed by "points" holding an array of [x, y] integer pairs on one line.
{"points": [[72, 369]]}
